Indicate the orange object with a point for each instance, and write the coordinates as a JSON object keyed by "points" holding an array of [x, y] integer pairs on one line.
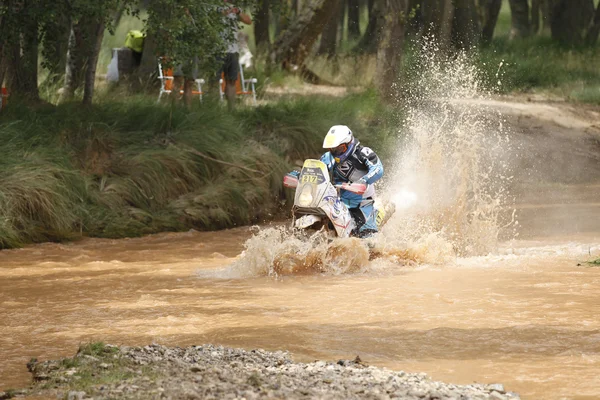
{"points": [[243, 86], [238, 85], [166, 82]]}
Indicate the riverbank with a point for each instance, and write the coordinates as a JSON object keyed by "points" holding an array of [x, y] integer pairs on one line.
{"points": [[102, 371], [130, 167]]}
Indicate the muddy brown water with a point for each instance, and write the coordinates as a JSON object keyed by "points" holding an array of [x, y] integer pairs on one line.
{"points": [[526, 315]]}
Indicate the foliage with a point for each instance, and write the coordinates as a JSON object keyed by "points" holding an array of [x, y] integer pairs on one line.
{"points": [[186, 30]]}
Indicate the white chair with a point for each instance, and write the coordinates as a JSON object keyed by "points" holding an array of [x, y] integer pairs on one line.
{"points": [[166, 82], [242, 85]]}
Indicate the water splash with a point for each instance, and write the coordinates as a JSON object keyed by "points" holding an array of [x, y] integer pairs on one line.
{"points": [[451, 179], [449, 183]]}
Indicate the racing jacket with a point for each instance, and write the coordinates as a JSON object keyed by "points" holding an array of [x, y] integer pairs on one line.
{"points": [[362, 164]]}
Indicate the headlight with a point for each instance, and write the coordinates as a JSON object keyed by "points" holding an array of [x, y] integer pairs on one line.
{"points": [[306, 197]]}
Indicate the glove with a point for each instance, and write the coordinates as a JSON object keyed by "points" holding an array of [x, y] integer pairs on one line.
{"points": [[361, 181], [294, 173]]}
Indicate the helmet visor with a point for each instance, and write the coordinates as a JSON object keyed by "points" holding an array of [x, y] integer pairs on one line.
{"points": [[338, 151]]}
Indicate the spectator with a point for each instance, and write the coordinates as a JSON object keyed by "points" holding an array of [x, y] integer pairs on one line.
{"points": [[230, 67]]}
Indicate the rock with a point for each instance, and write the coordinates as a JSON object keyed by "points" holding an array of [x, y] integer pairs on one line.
{"points": [[217, 372], [497, 396], [75, 395], [41, 377], [498, 387]]}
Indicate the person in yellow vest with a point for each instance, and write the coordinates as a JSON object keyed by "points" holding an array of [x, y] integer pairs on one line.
{"points": [[135, 42]]}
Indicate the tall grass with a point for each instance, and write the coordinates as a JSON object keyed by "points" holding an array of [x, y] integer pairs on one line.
{"points": [[132, 167], [539, 64]]}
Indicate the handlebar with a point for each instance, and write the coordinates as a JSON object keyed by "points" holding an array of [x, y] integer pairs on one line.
{"points": [[358, 188]]}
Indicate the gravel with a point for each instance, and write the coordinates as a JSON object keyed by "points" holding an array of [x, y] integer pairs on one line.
{"points": [[216, 372]]}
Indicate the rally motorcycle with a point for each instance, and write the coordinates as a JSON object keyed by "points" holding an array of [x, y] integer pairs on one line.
{"points": [[317, 203]]}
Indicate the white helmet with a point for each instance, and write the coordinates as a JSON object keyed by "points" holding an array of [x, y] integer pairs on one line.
{"points": [[337, 135], [340, 142]]}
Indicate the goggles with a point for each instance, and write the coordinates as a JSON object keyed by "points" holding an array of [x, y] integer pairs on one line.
{"points": [[338, 151]]}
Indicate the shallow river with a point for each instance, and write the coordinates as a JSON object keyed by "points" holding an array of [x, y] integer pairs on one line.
{"points": [[526, 316]]}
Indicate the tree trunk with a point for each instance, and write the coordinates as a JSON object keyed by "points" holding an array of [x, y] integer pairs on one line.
{"points": [[415, 26], [592, 35], [431, 14], [55, 46], [329, 36], [536, 8], [546, 16], [445, 35], [353, 19], [436, 20], [519, 14], [149, 63], [76, 60], [24, 65], [341, 20], [294, 44], [491, 10], [570, 19], [369, 41], [3, 67], [391, 42], [261, 27], [90, 73], [466, 30]]}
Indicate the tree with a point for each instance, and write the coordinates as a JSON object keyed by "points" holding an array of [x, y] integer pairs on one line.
{"points": [[570, 20], [592, 35], [369, 40], [466, 30], [536, 7], [391, 42], [88, 20], [436, 19], [293, 45], [329, 36], [261, 26], [520, 24], [19, 46], [353, 19], [490, 9]]}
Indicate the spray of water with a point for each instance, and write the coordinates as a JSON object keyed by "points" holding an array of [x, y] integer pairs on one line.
{"points": [[448, 182]]}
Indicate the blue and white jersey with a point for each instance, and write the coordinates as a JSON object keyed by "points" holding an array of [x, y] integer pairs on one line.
{"points": [[364, 164]]}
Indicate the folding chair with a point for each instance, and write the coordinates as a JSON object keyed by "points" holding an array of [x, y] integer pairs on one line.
{"points": [[166, 82], [242, 85]]}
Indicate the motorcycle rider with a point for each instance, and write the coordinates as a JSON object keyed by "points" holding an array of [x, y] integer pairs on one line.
{"points": [[350, 162]]}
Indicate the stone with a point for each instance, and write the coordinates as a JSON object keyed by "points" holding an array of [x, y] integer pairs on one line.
{"points": [[216, 372], [497, 396], [498, 387], [75, 395]]}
